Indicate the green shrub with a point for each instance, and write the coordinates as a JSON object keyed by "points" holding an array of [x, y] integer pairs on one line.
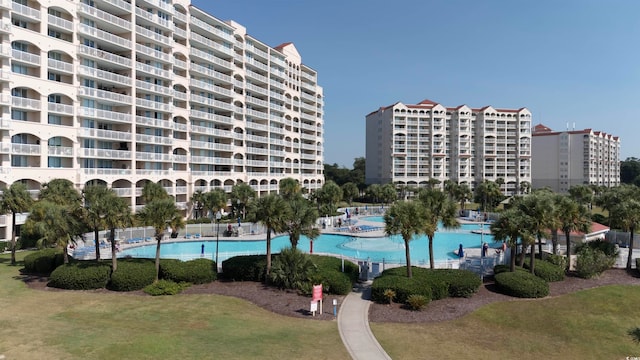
{"points": [[84, 275], [547, 271], [402, 285], [638, 264], [592, 262], [389, 294], [417, 302], [4, 245], [132, 274], [558, 260], [609, 249], [333, 263], [197, 271], [521, 284], [333, 282], [462, 283], [443, 282], [165, 287], [245, 268], [43, 261], [291, 269]]}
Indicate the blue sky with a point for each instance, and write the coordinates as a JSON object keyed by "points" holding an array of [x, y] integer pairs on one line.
{"points": [[570, 61]]}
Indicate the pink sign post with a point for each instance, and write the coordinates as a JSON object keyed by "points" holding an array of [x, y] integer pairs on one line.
{"points": [[317, 295]]}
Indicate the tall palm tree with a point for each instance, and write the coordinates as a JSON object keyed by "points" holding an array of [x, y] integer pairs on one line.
{"points": [[271, 211], [389, 193], [539, 207], [15, 199], [511, 226], [214, 201], [462, 193], [196, 200], [241, 194], [349, 192], [153, 191], [301, 220], [440, 208], [58, 224], [60, 191], [95, 198], [572, 217], [627, 214], [407, 218], [160, 213]]}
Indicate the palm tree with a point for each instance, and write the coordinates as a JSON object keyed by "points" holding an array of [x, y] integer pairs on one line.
{"points": [[58, 224], [374, 191], [525, 187], [389, 193], [349, 191], [214, 201], [241, 194], [539, 207], [627, 214], [462, 193], [15, 199], [511, 226], [572, 217], [301, 220], [117, 214], [60, 191], [160, 213], [95, 198], [197, 201], [407, 218], [289, 187], [271, 211], [153, 191], [328, 195], [439, 208]]}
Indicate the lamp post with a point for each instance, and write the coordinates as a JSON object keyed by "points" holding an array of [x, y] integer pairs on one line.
{"points": [[218, 217]]}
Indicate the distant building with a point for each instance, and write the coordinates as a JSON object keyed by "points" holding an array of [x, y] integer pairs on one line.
{"points": [[562, 159], [413, 144]]}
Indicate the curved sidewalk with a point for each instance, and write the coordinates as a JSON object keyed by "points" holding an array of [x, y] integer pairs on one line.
{"points": [[353, 324]]}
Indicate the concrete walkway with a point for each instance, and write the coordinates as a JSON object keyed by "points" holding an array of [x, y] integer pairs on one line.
{"points": [[353, 323]]}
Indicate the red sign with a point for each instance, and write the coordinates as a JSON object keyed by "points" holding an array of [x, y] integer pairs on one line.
{"points": [[317, 292]]}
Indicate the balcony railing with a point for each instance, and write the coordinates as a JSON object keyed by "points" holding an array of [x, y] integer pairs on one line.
{"points": [[31, 13], [25, 149]]}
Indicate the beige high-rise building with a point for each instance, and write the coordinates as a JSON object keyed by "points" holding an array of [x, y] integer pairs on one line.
{"points": [[121, 92], [562, 159], [411, 144]]}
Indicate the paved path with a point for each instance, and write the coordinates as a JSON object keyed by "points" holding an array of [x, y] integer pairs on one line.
{"points": [[353, 323]]}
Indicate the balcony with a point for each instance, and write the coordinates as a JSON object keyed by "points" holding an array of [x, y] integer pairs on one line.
{"points": [[211, 44], [159, 72], [60, 151], [105, 171], [26, 11], [25, 103], [60, 108], [60, 23], [213, 117], [105, 55], [105, 115], [211, 73], [119, 136], [60, 66], [104, 75], [149, 156], [105, 154], [104, 16], [211, 29], [104, 95], [194, 52], [105, 36], [26, 57], [154, 53], [154, 105], [25, 149], [165, 40], [151, 139], [158, 123], [147, 86]]}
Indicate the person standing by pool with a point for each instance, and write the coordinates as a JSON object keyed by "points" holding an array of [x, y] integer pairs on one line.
{"points": [[202, 250], [460, 251], [485, 248]]}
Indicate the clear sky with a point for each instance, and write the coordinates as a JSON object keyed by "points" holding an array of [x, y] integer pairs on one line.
{"points": [[569, 61]]}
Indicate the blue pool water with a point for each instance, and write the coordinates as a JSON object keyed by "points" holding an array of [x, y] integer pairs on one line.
{"points": [[388, 249]]}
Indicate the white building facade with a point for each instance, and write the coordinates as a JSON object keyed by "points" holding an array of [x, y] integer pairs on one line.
{"points": [[562, 159], [411, 144], [120, 92]]}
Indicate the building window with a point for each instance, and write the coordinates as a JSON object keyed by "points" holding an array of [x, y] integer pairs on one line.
{"points": [[19, 69]]}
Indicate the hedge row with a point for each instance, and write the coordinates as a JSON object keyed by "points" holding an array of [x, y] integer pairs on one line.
{"points": [[132, 274], [433, 284], [547, 271], [43, 261], [521, 284], [328, 273], [80, 276], [198, 271]]}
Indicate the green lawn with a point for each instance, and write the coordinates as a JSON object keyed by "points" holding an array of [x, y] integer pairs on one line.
{"points": [[590, 324], [105, 325]]}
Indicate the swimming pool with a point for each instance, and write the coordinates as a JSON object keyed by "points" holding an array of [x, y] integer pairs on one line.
{"points": [[387, 249]]}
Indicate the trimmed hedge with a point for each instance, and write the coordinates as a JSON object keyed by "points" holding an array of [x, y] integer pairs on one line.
{"points": [[245, 268], [403, 287], [43, 261], [333, 263], [547, 271], [329, 274], [83, 275], [443, 282], [521, 284], [4, 245], [132, 274], [197, 271]]}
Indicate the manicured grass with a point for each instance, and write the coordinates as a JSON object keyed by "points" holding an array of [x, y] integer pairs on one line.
{"points": [[104, 325], [590, 324]]}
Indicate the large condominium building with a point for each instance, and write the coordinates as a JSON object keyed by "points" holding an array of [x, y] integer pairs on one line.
{"points": [[562, 159], [412, 144], [120, 92]]}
